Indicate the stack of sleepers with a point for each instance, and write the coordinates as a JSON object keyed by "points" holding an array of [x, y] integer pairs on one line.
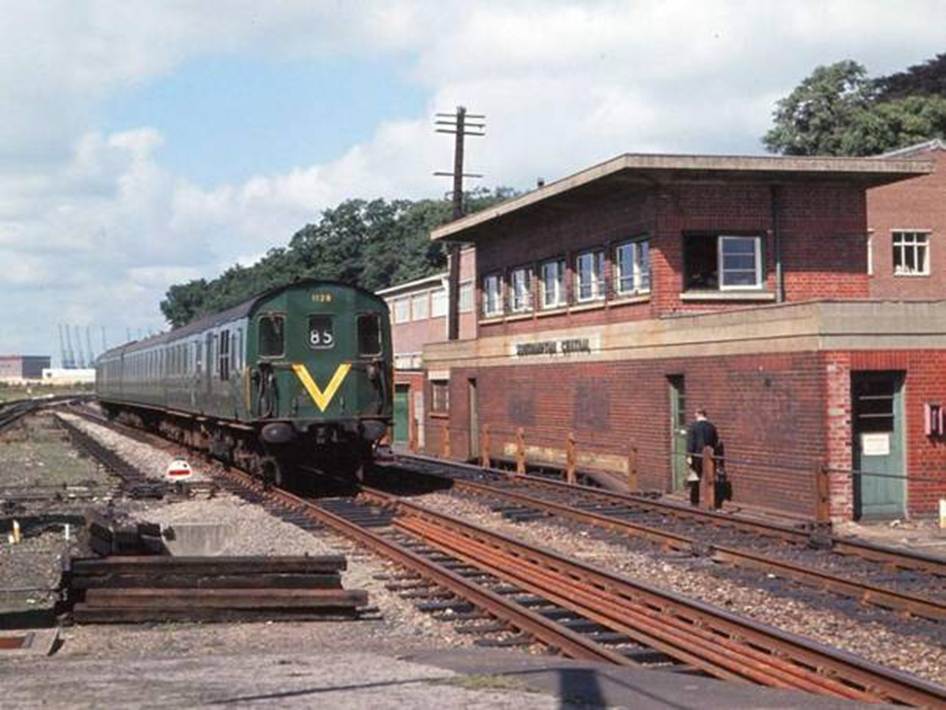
{"points": [[142, 589]]}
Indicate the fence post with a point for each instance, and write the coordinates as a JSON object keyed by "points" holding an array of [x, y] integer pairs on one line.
{"points": [[708, 480], [632, 482], [484, 447], [822, 495], [445, 440], [412, 439], [570, 458], [520, 451]]}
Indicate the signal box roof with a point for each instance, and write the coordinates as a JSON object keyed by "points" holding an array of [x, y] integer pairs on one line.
{"points": [[640, 170]]}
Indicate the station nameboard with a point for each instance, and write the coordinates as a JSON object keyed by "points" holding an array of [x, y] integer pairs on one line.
{"points": [[555, 348]]}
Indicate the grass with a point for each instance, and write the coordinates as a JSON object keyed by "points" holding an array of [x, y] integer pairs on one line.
{"points": [[36, 452], [10, 392]]}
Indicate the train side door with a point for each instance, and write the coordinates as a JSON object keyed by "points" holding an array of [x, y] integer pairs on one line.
{"points": [[678, 431], [208, 373]]}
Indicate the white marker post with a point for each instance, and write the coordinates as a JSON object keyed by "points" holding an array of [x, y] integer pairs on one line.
{"points": [[178, 470], [942, 513]]}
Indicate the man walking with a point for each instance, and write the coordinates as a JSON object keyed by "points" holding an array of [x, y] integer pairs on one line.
{"points": [[700, 434]]}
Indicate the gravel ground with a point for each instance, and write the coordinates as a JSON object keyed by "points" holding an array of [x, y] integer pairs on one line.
{"points": [[877, 642], [150, 460]]}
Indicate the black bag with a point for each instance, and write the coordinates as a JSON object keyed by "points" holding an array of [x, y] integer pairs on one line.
{"points": [[723, 487]]}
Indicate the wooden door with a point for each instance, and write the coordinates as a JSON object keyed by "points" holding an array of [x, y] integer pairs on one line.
{"points": [[401, 414]]}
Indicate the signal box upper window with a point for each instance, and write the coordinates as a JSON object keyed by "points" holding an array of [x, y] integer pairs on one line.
{"points": [[369, 334], [272, 336], [722, 262], [321, 332]]}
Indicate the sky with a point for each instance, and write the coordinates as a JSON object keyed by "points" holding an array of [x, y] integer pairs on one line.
{"points": [[147, 143]]}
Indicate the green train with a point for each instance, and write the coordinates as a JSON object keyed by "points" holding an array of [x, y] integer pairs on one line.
{"points": [[298, 375]]}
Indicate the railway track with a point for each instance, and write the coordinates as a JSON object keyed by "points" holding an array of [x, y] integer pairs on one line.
{"points": [[532, 595], [586, 612], [850, 567], [17, 409]]}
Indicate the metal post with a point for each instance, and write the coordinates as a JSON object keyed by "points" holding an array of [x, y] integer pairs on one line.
{"points": [[822, 495], [570, 458], [632, 482], [708, 481], [412, 439], [484, 447], [445, 440], [520, 451]]}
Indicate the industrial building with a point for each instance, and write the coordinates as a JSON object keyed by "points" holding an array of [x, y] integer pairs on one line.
{"points": [[18, 368], [613, 302]]}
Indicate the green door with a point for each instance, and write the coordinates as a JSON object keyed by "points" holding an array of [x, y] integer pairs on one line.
{"points": [[401, 414], [678, 431], [877, 409]]}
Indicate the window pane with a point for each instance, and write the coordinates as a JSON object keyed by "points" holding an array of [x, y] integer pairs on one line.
{"points": [[643, 251], [369, 334], [466, 298], [740, 261], [419, 306], [438, 303], [739, 278], [270, 337], [321, 332], [402, 310]]}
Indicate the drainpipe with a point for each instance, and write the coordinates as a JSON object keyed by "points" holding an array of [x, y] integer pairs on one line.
{"points": [[777, 238]]}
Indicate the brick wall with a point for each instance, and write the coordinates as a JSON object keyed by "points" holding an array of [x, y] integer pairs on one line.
{"points": [[918, 203], [822, 226], [769, 410]]}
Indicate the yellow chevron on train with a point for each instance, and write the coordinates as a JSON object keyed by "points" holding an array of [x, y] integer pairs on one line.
{"points": [[320, 397]]}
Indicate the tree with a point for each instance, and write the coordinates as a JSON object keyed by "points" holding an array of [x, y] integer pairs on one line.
{"points": [[813, 119], [895, 124], [372, 243], [927, 79]]}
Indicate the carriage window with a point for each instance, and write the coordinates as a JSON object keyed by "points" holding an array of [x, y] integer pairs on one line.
{"points": [[321, 335], [369, 334], [224, 355], [271, 336]]}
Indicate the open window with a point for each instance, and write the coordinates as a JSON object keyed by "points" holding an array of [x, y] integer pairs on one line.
{"points": [[369, 335], [911, 253], [272, 336], [722, 262]]}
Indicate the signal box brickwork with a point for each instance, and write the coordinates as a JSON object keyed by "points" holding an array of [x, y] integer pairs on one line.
{"points": [[614, 302]]}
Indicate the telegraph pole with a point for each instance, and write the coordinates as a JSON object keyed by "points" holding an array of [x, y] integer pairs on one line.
{"points": [[460, 124]]}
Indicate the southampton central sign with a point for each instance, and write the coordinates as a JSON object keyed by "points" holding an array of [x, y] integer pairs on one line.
{"points": [[553, 348]]}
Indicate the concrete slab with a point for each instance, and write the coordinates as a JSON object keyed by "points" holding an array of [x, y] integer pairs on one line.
{"points": [[602, 685], [197, 539], [28, 642]]}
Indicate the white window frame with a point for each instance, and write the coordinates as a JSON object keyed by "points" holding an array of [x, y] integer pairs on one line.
{"points": [[404, 317], [420, 306], [466, 297], [596, 274], [520, 289], [720, 267], [915, 243], [870, 252], [438, 303], [639, 277], [492, 295], [558, 296]]}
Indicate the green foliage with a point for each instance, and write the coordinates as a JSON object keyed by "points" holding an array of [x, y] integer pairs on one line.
{"points": [[838, 110], [895, 124], [813, 118], [374, 244], [927, 79]]}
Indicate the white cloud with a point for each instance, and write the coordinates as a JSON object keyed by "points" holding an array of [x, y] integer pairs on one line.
{"points": [[93, 227]]}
